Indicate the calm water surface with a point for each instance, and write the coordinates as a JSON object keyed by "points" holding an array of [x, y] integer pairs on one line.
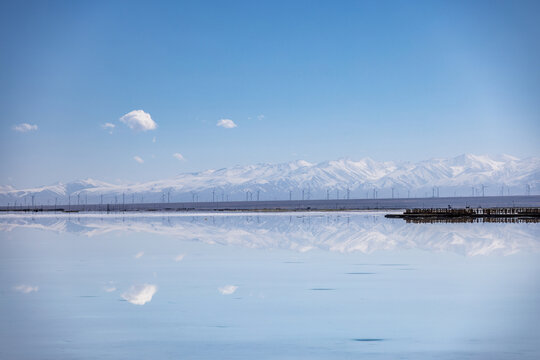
{"points": [[275, 286]]}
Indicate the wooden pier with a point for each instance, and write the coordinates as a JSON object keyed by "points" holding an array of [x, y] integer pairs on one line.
{"points": [[449, 214]]}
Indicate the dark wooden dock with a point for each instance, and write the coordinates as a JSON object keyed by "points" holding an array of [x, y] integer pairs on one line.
{"points": [[468, 214]]}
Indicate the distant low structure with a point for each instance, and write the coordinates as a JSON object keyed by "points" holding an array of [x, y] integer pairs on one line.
{"points": [[532, 201], [450, 213]]}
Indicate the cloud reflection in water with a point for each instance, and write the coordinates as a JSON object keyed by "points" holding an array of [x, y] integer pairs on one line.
{"points": [[140, 294]]}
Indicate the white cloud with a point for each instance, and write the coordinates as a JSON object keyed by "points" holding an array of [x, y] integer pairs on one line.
{"points": [[139, 255], [179, 258], [139, 120], [140, 294], [154, 139], [226, 123], [24, 127], [138, 159], [108, 126], [260, 117], [227, 289], [26, 289], [179, 156]]}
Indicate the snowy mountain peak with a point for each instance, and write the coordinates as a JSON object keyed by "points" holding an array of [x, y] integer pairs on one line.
{"points": [[300, 164], [466, 174]]}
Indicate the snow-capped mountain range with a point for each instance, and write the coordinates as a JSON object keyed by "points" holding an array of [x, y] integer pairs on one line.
{"points": [[464, 175]]}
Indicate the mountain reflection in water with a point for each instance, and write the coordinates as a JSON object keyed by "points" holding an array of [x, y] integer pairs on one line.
{"points": [[347, 232]]}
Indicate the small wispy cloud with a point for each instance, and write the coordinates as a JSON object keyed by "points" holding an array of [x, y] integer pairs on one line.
{"points": [[139, 255], [138, 159], [179, 258], [227, 289], [154, 140], [24, 127], [108, 126], [26, 289], [260, 117], [139, 120], [140, 294], [179, 156], [226, 123]]}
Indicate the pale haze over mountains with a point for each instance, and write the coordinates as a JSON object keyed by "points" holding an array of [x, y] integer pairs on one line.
{"points": [[464, 175]]}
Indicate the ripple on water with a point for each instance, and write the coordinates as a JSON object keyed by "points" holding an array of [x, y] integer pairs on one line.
{"points": [[322, 289], [393, 264], [368, 339]]}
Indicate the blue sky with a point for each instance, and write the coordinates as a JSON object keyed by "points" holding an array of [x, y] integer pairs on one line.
{"points": [[313, 80]]}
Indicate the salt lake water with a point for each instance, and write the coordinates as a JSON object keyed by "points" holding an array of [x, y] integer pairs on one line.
{"points": [[347, 285]]}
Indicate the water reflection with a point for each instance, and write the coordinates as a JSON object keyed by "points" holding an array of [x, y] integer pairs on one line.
{"points": [[227, 289], [26, 289], [300, 232], [140, 294], [302, 286]]}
